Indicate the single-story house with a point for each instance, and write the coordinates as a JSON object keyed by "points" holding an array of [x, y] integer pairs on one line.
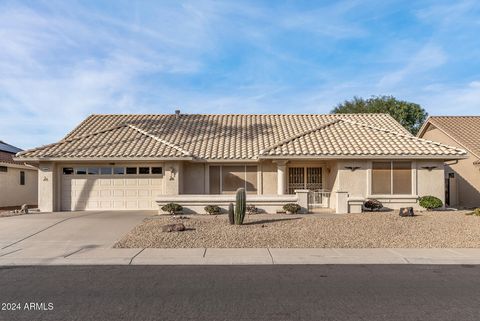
{"points": [[462, 177], [143, 161], [18, 181]]}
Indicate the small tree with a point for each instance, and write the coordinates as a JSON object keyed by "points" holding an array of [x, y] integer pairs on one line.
{"points": [[409, 115]]}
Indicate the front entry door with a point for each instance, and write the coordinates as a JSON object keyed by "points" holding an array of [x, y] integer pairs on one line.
{"points": [[304, 178]]}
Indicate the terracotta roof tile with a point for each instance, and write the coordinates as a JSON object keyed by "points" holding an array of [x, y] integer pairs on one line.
{"points": [[237, 137]]}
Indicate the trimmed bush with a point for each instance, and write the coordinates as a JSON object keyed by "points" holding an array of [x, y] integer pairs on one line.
{"points": [[252, 209], [172, 208], [292, 208], [212, 209], [430, 202], [372, 204]]}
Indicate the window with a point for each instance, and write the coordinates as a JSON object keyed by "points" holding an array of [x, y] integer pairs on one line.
{"points": [[144, 170], [227, 179], [157, 170], [3, 169], [391, 178], [93, 171], [131, 170], [381, 178], [22, 178], [67, 171], [233, 177], [118, 170], [214, 179], [80, 171], [105, 171]]}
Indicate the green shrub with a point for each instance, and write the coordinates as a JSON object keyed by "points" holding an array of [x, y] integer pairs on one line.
{"points": [[292, 208], [252, 209], [430, 202], [372, 204], [212, 209], [172, 208]]}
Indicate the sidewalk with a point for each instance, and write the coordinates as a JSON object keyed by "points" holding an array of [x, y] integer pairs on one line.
{"points": [[241, 256]]}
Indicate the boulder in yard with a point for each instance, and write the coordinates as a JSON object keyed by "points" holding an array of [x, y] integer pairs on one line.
{"points": [[173, 228], [406, 211]]}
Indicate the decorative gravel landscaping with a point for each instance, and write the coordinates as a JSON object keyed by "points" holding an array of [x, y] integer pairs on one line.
{"points": [[373, 230]]}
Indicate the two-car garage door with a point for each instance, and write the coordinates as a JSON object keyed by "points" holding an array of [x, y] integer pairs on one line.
{"points": [[108, 192]]}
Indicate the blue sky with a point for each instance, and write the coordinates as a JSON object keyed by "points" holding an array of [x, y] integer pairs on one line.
{"points": [[61, 61]]}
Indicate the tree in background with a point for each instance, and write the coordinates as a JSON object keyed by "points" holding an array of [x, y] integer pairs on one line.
{"points": [[409, 115]]}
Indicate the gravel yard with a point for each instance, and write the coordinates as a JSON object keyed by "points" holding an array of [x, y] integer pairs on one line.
{"points": [[372, 230]]}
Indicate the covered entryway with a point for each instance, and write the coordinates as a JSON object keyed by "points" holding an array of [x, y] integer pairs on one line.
{"points": [[304, 178], [110, 188]]}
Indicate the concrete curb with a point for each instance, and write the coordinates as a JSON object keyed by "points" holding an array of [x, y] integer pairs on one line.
{"points": [[240, 256]]}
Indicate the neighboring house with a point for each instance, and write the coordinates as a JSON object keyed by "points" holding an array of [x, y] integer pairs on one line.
{"points": [[462, 178], [142, 161], [18, 181]]}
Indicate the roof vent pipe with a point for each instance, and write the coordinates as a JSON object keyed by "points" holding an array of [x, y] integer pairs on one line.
{"points": [[177, 113]]}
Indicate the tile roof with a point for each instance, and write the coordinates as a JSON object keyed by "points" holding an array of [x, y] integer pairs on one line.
{"points": [[6, 157], [351, 139], [238, 137], [463, 129]]}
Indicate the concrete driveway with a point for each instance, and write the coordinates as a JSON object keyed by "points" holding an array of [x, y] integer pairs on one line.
{"points": [[66, 232]]}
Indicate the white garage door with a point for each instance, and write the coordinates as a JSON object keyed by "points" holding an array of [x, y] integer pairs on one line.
{"points": [[109, 188]]}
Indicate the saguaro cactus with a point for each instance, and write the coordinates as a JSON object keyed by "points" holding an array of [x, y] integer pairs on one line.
{"points": [[240, 206], [231, 214]]}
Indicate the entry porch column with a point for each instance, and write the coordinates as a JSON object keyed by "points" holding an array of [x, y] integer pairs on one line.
{"points": [[281, 176]]}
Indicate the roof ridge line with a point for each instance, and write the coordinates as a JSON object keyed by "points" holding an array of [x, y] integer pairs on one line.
{"points": [[146, 133], [403, 135], [291, 138]]}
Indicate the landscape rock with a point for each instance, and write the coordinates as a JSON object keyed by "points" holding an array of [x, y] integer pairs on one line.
{"points": [[173, 228]]}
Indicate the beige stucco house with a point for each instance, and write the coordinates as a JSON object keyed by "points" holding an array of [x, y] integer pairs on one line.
{"points": [[332, 161], [462, 177], [18, 181]]}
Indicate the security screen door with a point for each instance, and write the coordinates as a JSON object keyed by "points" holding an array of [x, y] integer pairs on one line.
{"points": [[304, 178]]}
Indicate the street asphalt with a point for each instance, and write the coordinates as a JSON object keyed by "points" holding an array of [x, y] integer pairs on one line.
{"points": [[268, 292]]}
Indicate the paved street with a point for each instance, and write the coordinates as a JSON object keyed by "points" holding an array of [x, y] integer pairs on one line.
{"points": [[313, 292]]}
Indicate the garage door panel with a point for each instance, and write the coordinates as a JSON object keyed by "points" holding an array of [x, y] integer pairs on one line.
{"points": [[110, 192], [131, 182], [131, 193]]}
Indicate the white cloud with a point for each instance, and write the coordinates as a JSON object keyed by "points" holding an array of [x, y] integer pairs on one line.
{"points": [[427, 58]]}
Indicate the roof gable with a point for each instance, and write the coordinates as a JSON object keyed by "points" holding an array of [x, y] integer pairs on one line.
{"points": [[351, 139], [465, 130]]}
